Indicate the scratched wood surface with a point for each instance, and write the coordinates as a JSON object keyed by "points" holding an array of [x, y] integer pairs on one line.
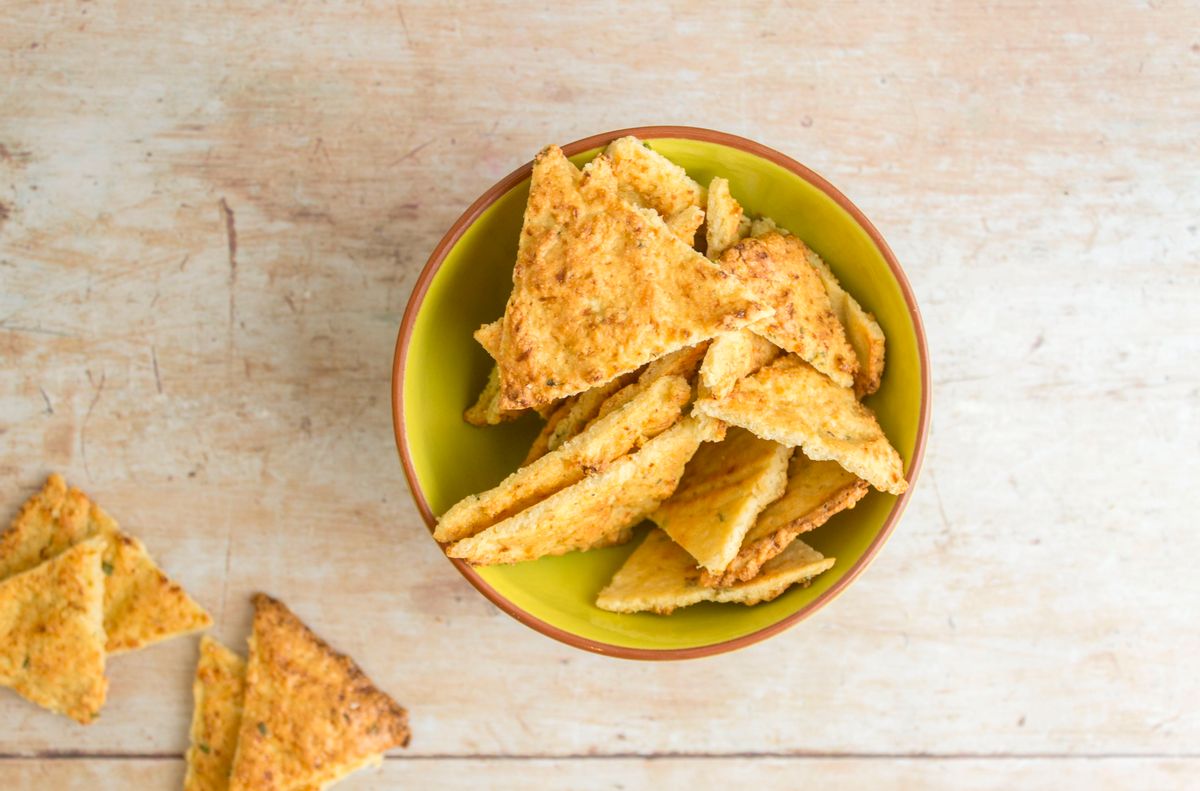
{"points": [[211, 216]]}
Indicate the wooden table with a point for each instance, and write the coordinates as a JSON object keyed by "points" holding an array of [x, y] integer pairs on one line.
{"points": [[211, 216]]}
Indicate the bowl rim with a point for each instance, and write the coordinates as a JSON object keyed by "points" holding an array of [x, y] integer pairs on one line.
{"points": [[473, 212]]}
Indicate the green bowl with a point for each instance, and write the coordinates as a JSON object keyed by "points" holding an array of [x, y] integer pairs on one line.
{"points": [[439, 369]]}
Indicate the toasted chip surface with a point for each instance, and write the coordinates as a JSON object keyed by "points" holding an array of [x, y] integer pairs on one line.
{"points": [[582, 514], [647, 178], [684, 224], [601, 288], [585, 408], [610, 438], [541, 443], [862, 330], [52, 632], [816, 490], [218, 692], [141, 604], [724, 218], [681, 363], [776, 268], [310, 715], [486, 410], [790, 402], [660, 577], [725, 486], [489, 336], [733, 356], [798, 563]]}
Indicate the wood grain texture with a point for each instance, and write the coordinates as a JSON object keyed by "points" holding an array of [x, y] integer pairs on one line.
{"points": [[210, 220]]}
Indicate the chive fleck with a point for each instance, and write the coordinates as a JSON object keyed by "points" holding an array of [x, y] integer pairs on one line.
{"points": [[720, 516], [204, 748], [262, 728], [25, 664], [107, 567]]}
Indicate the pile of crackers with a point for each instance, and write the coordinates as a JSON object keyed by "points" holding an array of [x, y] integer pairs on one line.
{"points": [[694, 367], [75, 589]]}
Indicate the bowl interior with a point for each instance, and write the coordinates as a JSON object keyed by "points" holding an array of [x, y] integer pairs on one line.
{"points": [[445, 369]]}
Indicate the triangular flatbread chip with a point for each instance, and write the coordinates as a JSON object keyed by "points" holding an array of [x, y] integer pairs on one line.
{"points": [[725, 486], [582, 514], [816, 490], [647, 178], [724, 217], [789, 402], [734, 356], [660, 577], [776, 269], [606, 440], [141, 604], [601, 288], [862, 330], [218, 690], [541, 443], [310, 715], [52, 632]]}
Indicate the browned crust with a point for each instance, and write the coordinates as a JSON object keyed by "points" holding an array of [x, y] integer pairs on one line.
{"points": [[750, 558]]}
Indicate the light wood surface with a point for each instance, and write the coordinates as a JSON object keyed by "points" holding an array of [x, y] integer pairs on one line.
{"points": [[211, 216]]}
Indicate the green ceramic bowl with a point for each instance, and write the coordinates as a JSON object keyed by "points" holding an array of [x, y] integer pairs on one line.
{"points": [[439, 369]]}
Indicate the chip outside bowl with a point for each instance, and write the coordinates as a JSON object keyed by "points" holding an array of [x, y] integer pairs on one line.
{"points": [[438, 369]]}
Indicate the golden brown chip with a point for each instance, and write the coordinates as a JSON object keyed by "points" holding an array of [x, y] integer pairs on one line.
{"points": [[862, 330], [583, 514], [647, 178], [592, 451], [486, 410], [762, 226], [724, 217], [310, 714], [776, 268], [52, 632], [790, 402], [725, 486], [141, 604], [682, 363], [541, 443], [733, 356], [584, 410], [218, 691], [684, 224], [600, 288], [661, 577], [816, 490]]}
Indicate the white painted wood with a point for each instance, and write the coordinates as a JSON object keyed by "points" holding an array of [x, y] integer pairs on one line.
{"points": [[1034, 167]]}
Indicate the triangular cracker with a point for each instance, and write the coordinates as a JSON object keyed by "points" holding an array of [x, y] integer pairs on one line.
{"points": [[600, 288], [725, 486], [310, 714], [660, 577], [218, 691], [141, 604], [582, 514], [489, 336], [862, 330], [791, 403], [647, 178], [541, 443], [724, 218], [777, 270], [52, 632], [816, 490], [606, 440], [734, 356]]}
